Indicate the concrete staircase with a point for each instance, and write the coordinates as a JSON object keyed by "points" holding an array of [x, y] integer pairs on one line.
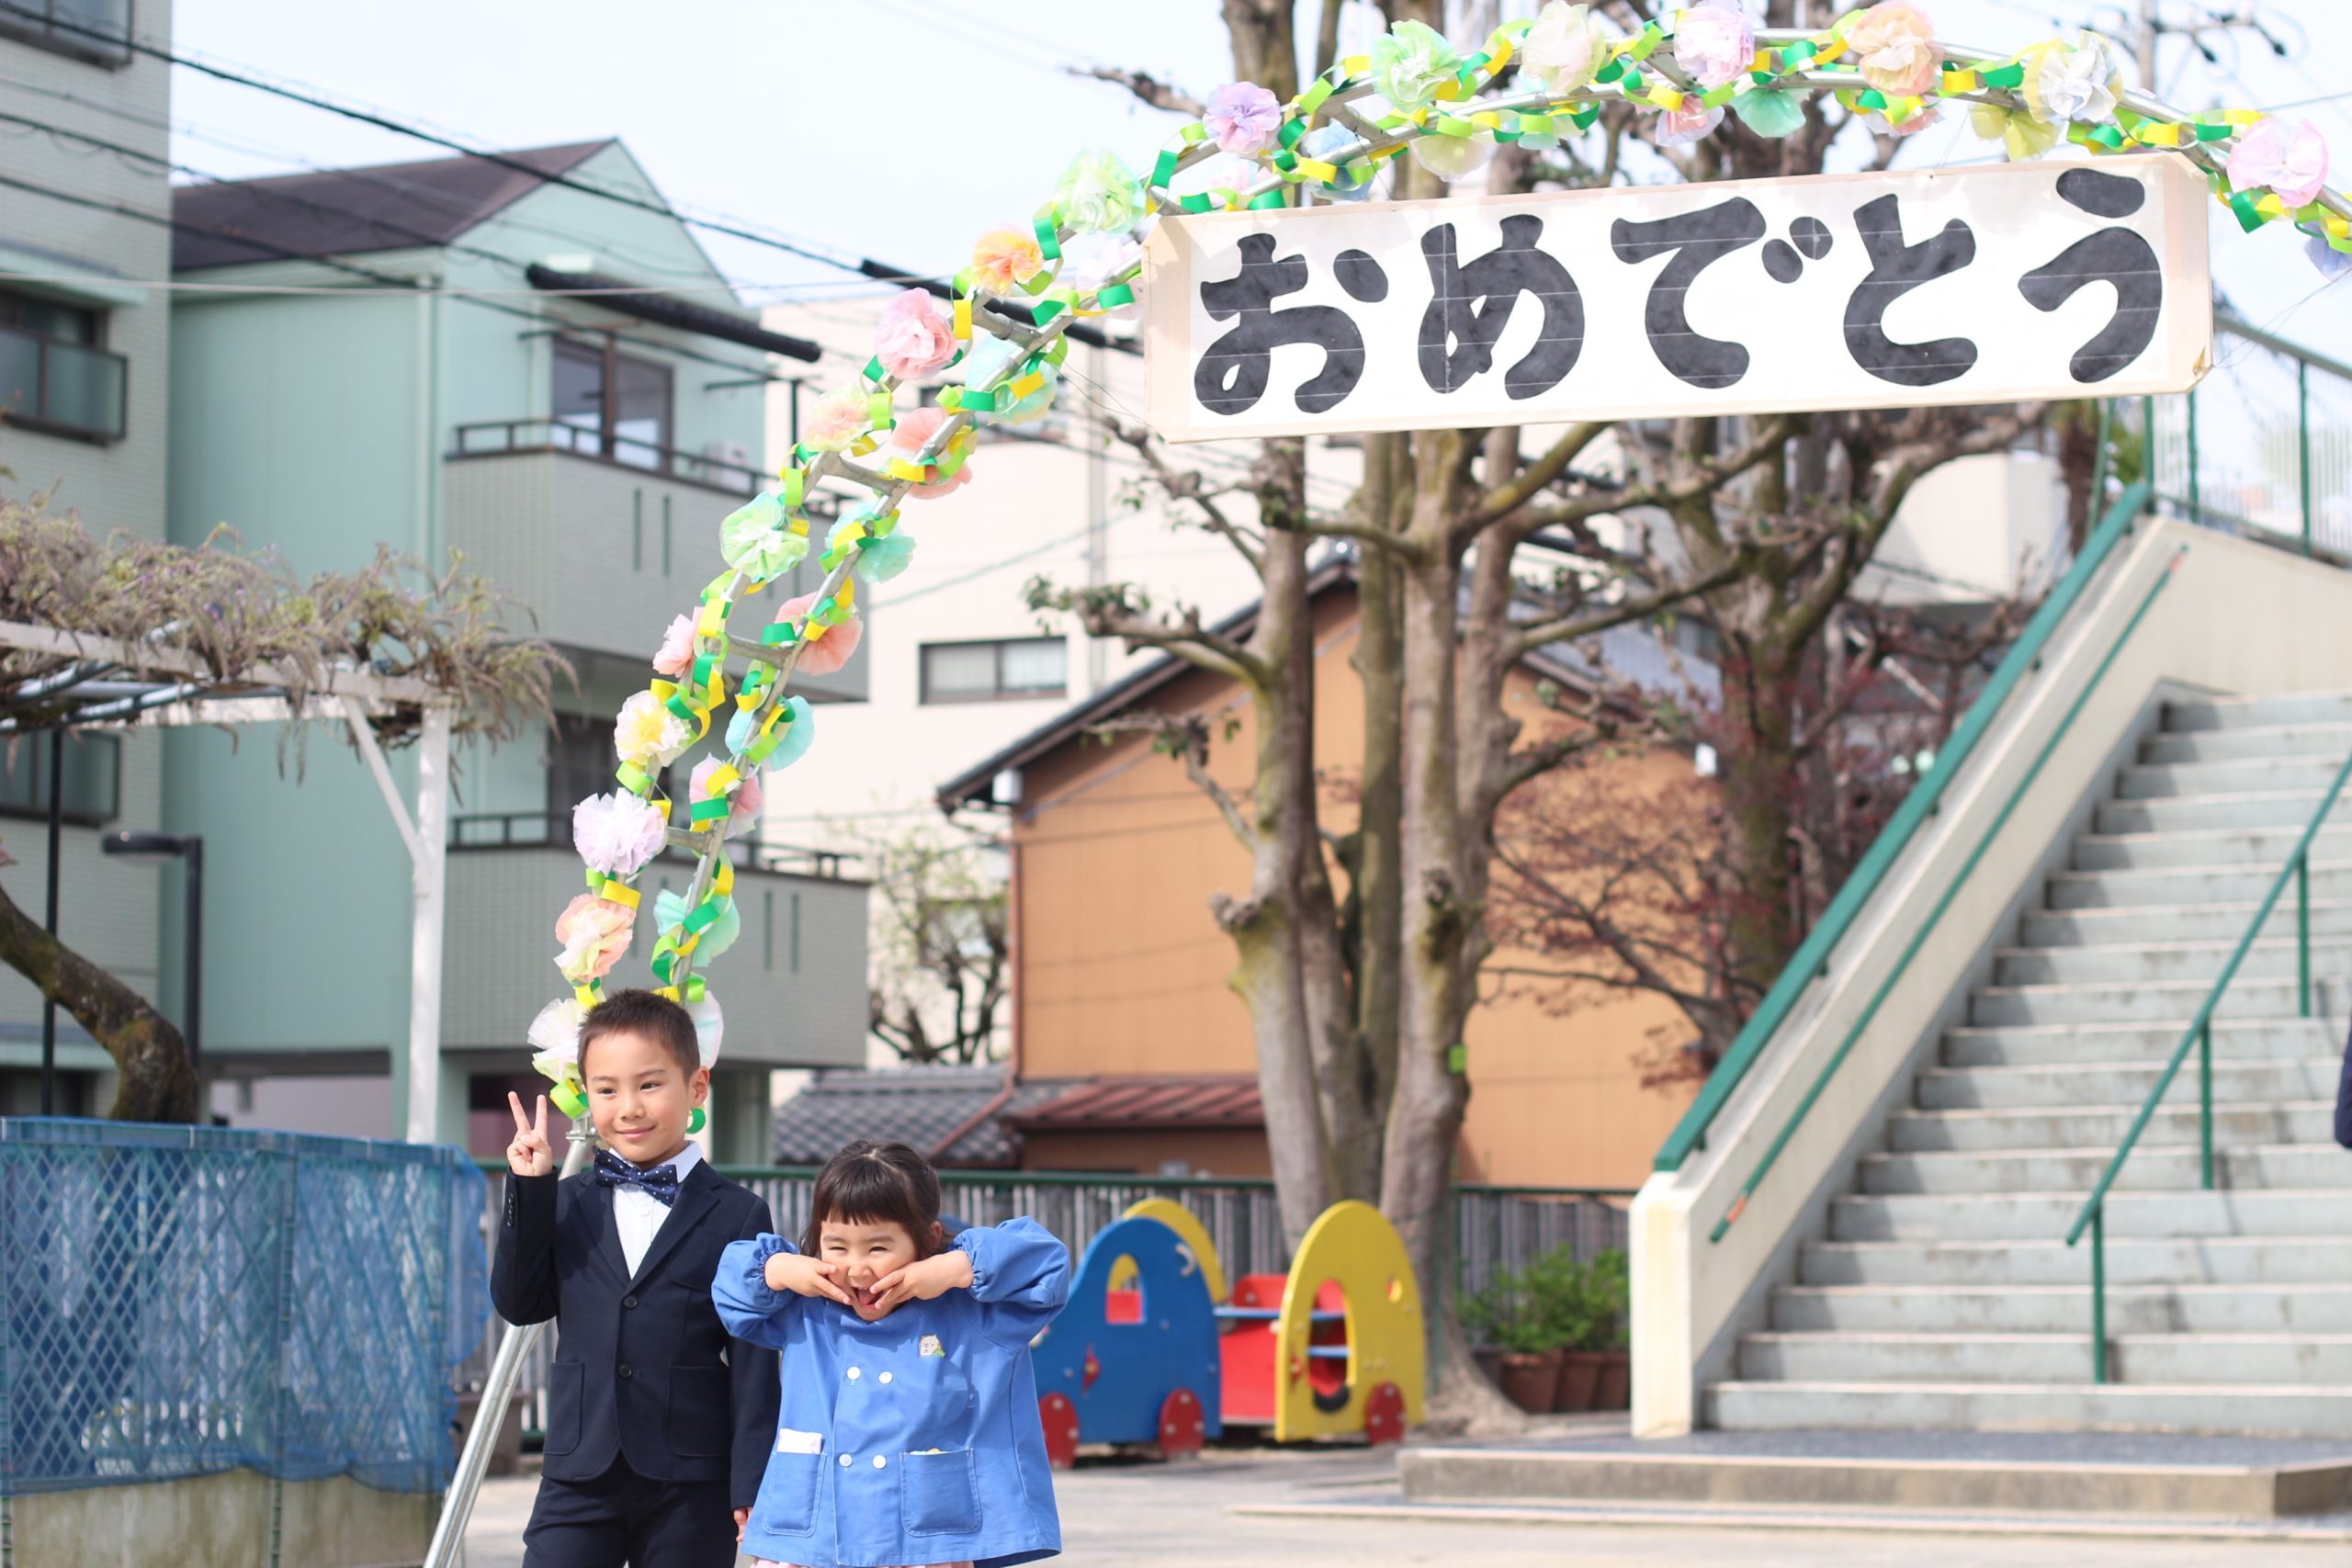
{"points": [[1943, 1296]]}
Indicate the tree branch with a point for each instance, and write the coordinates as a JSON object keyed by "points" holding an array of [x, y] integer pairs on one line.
{"points": [[1533, 478], [1186, 485], [1185, 737], [1159, 95], [1567, 629]]}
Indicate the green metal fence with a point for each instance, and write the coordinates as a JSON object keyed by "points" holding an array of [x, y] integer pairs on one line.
{"points": [[2264, 446]]}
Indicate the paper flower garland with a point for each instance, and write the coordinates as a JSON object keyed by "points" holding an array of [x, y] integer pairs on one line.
{"points": [[1715, 43], [616, 834], [1243, 116], [914, 336], [1079, 258], [1893, 46], [2289, 160], [595, 933]]}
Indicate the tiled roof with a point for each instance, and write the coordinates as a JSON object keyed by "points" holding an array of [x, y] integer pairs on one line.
{"points": [[386, 206], [920, 1106], [1192, 1101]]}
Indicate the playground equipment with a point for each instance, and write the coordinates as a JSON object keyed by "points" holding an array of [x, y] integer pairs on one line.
{"points": [[1332, 1348]]}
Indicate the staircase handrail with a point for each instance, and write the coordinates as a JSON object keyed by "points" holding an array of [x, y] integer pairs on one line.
{"points": [[1812, 959], [2200, 1034]]}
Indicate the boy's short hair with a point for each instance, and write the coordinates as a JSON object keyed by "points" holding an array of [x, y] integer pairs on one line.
{"points": [[659, 1019]]}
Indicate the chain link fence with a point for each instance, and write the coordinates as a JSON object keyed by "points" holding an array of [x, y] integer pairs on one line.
{"points": [[184, 1301], [1495, 1227]]}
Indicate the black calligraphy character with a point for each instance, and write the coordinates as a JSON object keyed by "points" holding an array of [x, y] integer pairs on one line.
{"points": [[1231, 375], [1469, 306], [1701, 238], [1895, 270], [2116, 256]]}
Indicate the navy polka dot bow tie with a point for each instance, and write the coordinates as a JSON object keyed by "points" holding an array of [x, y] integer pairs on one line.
{"points": [[661, 1183]]}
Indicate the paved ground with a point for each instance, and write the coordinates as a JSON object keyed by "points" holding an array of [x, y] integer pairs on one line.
{"points": [[1136, 1516]]}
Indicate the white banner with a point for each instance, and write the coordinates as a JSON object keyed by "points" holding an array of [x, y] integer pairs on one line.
{"points": [[2053, 279]]}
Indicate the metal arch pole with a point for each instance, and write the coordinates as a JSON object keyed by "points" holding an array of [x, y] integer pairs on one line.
{"points": [[431, 850], [489, 1414]]}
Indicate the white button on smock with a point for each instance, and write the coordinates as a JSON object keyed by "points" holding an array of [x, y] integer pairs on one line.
{"points": [[855, 1374], [847, 1462], [879, 1462], [886, 1377]]}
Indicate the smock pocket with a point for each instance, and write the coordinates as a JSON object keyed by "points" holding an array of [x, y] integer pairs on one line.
{"points": [[701, 1416], [939, 1494], [787, 1500], [563, 1406]]}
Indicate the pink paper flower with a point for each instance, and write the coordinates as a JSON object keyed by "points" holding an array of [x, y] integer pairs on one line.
{"points": [[1243, 118], [1565, 47], [594, 933], [914, 336], [2291, 161], [616, 833], [1003, 257], [676, 654], [1895, 46], [837, 421], [743, 804], [1713, 43], [913, 433], [1693, 120], [831, 645]]}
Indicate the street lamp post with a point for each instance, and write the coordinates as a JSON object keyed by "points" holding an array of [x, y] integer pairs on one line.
{"points": [[188, 847]]}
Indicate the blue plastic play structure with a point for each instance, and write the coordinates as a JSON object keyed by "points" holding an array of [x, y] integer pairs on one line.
{"points": [[1133, 1358]]}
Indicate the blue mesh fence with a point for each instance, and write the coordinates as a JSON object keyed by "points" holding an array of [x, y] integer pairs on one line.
{"points": [[181, 1301]]}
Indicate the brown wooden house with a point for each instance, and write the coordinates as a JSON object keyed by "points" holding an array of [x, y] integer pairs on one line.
{"points": [[1119, 993]]}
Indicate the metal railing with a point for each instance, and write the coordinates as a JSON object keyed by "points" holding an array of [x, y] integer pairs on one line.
{"points": [[506, 437], [2200, 1034], [1812, 956], [2263, 447], [1495, 1228], [537, 830]]}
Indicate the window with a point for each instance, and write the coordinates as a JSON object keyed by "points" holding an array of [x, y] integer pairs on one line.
{"points": [[92, 778], [608, 405], [87, 29], [53, 375], [995, 671]]}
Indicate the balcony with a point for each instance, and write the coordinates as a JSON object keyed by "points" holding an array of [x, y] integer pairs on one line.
{"points": [[63, 389], [793, 985], [604, 543]]}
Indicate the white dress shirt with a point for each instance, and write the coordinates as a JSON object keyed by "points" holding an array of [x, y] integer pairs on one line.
{"points": [[637, 1214]]}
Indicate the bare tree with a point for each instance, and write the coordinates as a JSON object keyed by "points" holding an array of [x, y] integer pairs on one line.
{"points": [[942, 948]]}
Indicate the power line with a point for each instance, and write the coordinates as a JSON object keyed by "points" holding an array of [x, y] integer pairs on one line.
{"points": [[865, 267]]}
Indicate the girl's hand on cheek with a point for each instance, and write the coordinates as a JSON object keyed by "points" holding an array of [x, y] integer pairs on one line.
{"points": [[805, 1276], [925, 1280]]}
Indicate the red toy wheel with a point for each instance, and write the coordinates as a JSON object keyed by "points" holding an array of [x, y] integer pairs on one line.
{"points": [[1184, 1429], [1060, 1419], [1384, 1415]]}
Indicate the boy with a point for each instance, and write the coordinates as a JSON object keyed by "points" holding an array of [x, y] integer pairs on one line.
{"points": [[658, 1422]]}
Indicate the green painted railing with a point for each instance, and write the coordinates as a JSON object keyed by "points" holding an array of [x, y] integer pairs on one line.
{"points": [[1951, 890], [2200, 1034], [1812, 959]]}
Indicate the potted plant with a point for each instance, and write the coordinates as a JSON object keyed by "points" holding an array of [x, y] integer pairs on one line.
{"points": [[1482, 1312], [1564, 1287], [1609, 1306], [1530, 1369]]}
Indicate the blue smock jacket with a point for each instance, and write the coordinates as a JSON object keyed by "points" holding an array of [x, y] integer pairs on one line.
{"points": [[913, 1439]]}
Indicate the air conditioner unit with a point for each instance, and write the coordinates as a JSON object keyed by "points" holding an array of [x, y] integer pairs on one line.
{"points": [[733, 452]]}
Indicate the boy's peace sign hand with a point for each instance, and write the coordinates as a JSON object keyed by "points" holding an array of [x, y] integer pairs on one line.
{"points": [[529, 1154]]}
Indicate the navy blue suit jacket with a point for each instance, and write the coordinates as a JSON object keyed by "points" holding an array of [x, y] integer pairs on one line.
{"points": [[643, 1367], [2344, 1100]]}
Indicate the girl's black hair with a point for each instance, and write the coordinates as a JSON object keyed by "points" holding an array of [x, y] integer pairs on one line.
{"points": [[876, 1183]]}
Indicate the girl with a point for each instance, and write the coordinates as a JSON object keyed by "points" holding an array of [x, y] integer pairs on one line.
{"points": [[908, 1429]]}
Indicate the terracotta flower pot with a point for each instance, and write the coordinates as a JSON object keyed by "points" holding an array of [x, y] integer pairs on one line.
{"points": [[1579, 1373], [1529, 1381], [1614, 1390]]}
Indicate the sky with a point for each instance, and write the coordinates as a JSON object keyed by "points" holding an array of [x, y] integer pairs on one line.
{"points": [[901, 129]]}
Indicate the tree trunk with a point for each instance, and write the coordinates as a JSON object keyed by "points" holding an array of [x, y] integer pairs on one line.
{"points": [[154, 1079]]}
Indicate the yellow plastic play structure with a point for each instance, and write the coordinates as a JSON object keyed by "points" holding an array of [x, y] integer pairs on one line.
{"points": [[1334, 1348]]}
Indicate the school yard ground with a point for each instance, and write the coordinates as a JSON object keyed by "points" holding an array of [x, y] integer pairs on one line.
{"points": [[1140, 1515]]}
